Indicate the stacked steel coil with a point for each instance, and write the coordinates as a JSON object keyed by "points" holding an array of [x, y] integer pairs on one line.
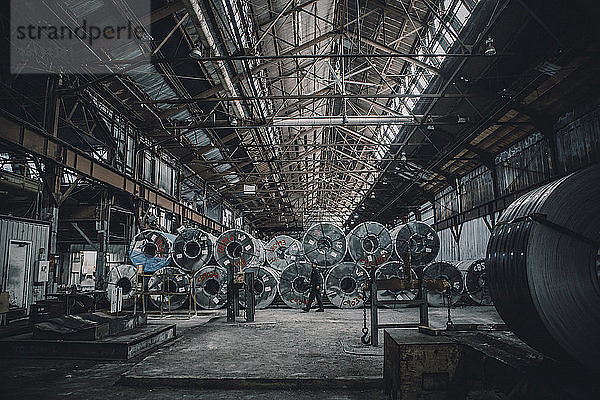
{"points": [[370, 244], [416, 243], [543, 267], [283, 250], [324, 244], [169, 288], [238, 248], [266, 282], [294, 286], [210, 287], [475, 282], [125, 277], [395, 269], [443, 271], [193, 249], [152, 249], [344, 285]]}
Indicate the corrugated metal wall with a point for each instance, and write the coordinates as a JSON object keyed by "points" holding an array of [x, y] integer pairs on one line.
{"points": [[578, 138], [472, 243], [524, 165], [26, 231]]}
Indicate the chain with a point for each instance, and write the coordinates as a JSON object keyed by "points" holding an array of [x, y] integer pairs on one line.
{"points": [[449, 323], [365, 338]]}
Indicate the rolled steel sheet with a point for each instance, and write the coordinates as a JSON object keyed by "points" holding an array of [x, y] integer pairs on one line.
{"points": [[193, 249], [344, 283], [395, 269], [324, 244], [543, 267], [210, 287], [475, 281], [152, 249], [125, 277], [294, 286], [416, 242], [448, 272], [238, 248], [283, 250], [370, 244], [266, 281], [169, 288]]}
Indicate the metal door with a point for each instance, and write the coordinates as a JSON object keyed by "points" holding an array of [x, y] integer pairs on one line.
{"points": [[19, 261]]}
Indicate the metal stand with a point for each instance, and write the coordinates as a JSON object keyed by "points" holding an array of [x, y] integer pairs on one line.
{"points": [[235, 282], [421, 301]]}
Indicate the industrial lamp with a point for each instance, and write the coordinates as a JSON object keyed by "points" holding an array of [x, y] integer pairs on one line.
{"points": [[198, 51], [490, 50]]}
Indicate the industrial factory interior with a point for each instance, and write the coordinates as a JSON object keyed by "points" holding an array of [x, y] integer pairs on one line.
{"points": [[300, 199]]}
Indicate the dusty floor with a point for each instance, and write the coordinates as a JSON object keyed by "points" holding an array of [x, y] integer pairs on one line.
{"points": [[280, 344]]}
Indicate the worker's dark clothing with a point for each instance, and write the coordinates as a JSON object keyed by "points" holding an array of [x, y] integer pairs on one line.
{"points": [[315, 283]]}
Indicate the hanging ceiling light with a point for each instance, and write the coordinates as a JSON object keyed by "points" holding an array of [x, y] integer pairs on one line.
{"points": [[490, 50], [197, 52]]}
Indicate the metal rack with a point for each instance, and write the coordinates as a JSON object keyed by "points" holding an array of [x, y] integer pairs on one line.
{"points": [[407, 282], [141, 291]]}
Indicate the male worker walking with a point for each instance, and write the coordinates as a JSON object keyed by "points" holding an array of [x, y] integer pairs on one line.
{"points": [[315, 289]]}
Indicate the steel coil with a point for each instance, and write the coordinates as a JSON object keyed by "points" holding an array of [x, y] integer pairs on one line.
{"points": [[416, 242], [192, 249], [543, 267], [152, 249], [324, 244], [210, 287], [266, 281], [344, 285], [448, 272], [125, 277], [370, 244], [169, 288], [238, 248], [294, 286], [283, 250], [474, 277], [395, 269]]}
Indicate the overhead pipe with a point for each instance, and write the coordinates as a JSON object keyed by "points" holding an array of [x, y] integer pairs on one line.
{"points": [[343, 121]]}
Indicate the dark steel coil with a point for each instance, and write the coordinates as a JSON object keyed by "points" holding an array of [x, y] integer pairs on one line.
{"points": [[448, 272], [395, 269], [266, 281], [543, 267], [294, 284], [344, 284], [169, 288], [125, 277], [152, 249], [324, 244], [238, 248], [192, 249], [210, 287], [370, 244], [416, 242], [475, 281], [283, 250]]}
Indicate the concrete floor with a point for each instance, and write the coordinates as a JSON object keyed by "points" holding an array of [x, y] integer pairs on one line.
{"points": [[282, 344]]}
